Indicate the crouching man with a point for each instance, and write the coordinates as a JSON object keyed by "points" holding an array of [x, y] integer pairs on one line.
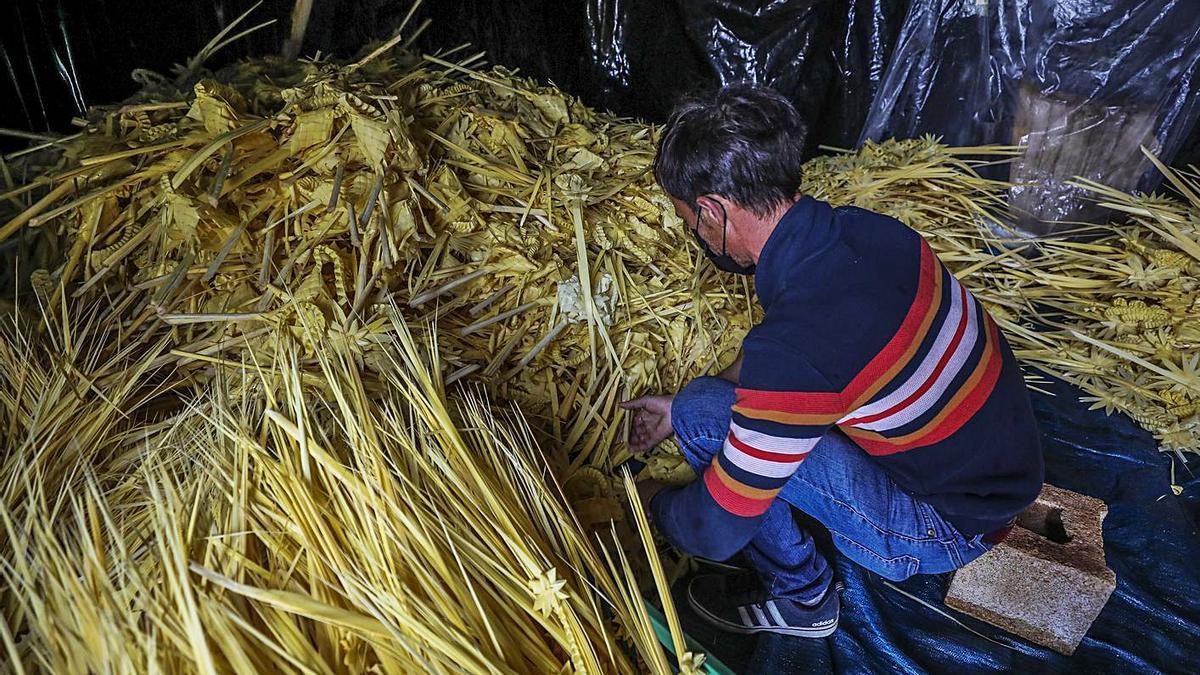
{"points": [[876, 396]]}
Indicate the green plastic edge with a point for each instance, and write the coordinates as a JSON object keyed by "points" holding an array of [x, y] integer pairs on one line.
{"points": [[711, 665]]}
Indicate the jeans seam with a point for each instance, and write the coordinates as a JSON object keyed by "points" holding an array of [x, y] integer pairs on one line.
{"points": [[688, 453], [868, 521], [954, 553], [903, 557], [943, 533]]}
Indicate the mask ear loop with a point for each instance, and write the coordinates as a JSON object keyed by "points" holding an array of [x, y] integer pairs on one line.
{"points": [[724, 229]]}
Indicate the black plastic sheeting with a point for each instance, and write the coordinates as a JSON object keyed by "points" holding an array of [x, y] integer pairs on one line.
{"points": [[1150, 623], [960, 65], [634, 58], [59, 56], [949, 67], [1082, 85]]}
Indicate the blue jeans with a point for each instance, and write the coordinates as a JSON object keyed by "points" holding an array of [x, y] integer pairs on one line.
{"points": [[872, 520]]}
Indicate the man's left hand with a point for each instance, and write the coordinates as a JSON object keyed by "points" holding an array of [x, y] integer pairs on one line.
{"points": [[651, 421]]}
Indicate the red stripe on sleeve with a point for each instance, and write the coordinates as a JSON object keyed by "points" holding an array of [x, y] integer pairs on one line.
{"points": [[731, 501], [908, 329], [791, 402], [765, 455]]}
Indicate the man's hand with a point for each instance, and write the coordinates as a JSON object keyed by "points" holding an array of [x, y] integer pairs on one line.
{"points": [[651, 421]]}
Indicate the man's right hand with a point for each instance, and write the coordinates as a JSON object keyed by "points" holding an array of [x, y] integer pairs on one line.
{"points": [[651, 421]]}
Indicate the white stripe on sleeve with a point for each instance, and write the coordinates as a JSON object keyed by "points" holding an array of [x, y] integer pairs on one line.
{"points": [[922, 405], [921, 374]]}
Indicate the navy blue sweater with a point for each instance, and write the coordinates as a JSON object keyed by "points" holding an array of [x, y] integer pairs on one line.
{"points": [[866, 331]]}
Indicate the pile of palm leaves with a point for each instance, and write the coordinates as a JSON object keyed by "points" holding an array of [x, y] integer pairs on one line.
{"points": [[284, 202], [276, 527]]}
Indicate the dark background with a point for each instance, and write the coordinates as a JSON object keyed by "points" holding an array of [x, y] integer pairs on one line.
{"points": [[633, 58]]}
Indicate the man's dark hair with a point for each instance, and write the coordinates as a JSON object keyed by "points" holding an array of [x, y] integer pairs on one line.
{"points": [[743, 142]]}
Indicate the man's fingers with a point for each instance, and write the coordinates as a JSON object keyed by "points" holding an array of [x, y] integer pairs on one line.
{"points": [[646, 418], [646, 434], [650, 402], [659, 405], [651, 424], [640, 439]]}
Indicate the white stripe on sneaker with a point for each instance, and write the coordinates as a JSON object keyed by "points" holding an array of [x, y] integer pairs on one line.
{"points": [[762, 618], [745, 617], [774, 610]]}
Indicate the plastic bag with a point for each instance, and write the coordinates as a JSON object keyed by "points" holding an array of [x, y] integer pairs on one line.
{"points": [[638, 58], [945, 77], [868, 29], [1105, 80], [1082, 85]]}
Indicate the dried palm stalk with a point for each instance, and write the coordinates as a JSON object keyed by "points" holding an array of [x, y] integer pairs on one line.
{"points": [[272, 528]]}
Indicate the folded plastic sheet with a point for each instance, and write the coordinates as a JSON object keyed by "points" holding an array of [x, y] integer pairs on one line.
{"points": [[1082, 85], [1150, 623], [868, 29]]}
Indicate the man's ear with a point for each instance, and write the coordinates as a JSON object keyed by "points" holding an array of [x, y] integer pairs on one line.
{"points": [[711, 207]]}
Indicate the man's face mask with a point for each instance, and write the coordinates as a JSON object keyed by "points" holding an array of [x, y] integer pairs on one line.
{"points": [[722, 259]]}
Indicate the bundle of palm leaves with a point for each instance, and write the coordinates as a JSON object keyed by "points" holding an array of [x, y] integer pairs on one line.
{"points": [[269, 529]]}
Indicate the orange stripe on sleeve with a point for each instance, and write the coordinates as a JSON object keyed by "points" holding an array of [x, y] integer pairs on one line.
{"points": [[965, 403], [734, 497], [900, 349]]}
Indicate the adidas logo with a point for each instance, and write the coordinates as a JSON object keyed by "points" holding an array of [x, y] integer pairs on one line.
{"points": [[826, 622]]}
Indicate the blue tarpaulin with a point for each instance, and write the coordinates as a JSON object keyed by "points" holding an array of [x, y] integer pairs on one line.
{"points": [[1150, 624]]}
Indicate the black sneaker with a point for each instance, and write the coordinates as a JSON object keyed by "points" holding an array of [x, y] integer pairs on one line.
{"points": [[735, 565], [740, 604]]}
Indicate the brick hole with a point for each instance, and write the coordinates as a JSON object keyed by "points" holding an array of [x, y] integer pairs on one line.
{"points": [[1046, 521]]}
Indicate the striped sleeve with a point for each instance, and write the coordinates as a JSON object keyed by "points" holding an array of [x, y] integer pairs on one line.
{"points": [[771, 431]]}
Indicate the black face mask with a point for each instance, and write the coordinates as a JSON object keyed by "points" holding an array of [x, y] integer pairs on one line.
{"points": [[722, 259]]}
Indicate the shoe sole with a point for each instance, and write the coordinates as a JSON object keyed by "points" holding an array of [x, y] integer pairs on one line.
{"points": [[712, 619]]}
